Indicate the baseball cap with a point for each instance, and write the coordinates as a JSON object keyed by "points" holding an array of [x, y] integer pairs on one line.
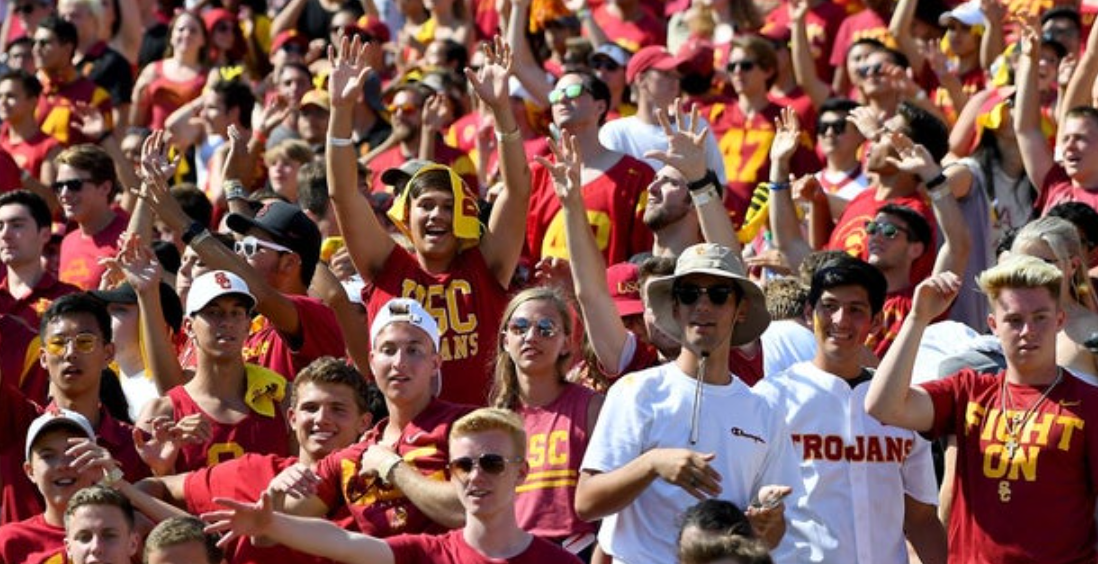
{"points": [[288, 226], [651, 57], [612, 51], [57, 417], [968, 13], [317, 97], [211, 17], [715, 260], [405, 310], [398, 177], [623, 279], [125, 294], [697, 57], [779, 34], [375, 28], [213, 285], [289, 37]]}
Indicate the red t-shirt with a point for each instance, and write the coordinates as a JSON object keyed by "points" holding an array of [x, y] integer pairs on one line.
{"points": [[444, 154], [557, 437], [634, 35], [19, 498], [865, 23], [615, 203], [451, 548], [31, 541], [80, 254], [1058, 188], [896, 307], [243, 479], [1038, 506], [850, 236], [54, 110], [10, 173], [467, 302], [823, 21], [382, 510], [31, 307], [30, 153], [255, 433], [320, 336], [19, 366]]}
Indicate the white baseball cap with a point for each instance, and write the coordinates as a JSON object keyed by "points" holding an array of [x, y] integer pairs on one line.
{"points": [[405, 310], [213, 285], [57, 417], [969, 14]]}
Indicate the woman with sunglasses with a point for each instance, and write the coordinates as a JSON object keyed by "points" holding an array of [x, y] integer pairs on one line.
{"points": [[535, 356]]}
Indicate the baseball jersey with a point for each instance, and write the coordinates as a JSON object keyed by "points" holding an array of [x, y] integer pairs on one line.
{"points": [[556, 435], [451, 548], [255, 433], [653, 409], [320, 336], [467, 302], [614, 202], [856, 470], [31, 541], [382, 510], [1037, 506]]}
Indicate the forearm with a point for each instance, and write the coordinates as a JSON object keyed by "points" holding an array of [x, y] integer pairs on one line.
{"points": [[127, 177], [602, 494], [804, 66], [716, 225], [957, 240], [502, 244], [784, 225], [925, 532], [436, 499], [526, 68], [161, 362], [154, 508], [890, 392], [331, 291], [287, 18], [324, 538]]}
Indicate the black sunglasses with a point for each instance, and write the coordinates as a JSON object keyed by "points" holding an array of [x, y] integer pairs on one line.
{"points": [[745, 66], [493, 464], [604, 63], [871, 70], [889, 230], [689, 294], [25, 9], [520, 327], [838, 127], [74, 185]]}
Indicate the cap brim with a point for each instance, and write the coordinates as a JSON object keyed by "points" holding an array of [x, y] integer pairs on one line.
{"points": [[755, 320], [628, 306], [123, 294], [241, 224], [395, 177]]}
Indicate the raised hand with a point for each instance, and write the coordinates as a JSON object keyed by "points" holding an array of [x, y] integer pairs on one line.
{"points": [[276, 111], [786, 137], [798, 9], [154, 154], [159, 452], [239, 162], [434, 112], [349, 70], [240, 519], [156, 170], [565, 169], [137, 262], [1029, 30], [87, 456], [868, 122], [490, 82], [914, 158], [89, 120], [685, 141], [933, 296]]}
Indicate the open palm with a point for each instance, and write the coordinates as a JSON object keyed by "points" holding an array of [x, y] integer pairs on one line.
{"points": [[349, 70], [490, 82]]}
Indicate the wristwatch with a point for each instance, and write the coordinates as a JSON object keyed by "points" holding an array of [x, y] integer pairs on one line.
{"points": [[710, 179]]}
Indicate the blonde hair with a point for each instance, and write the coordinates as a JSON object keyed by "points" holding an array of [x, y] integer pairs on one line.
{"points": [[492, 419], [505, 387], [1020, 271], [1062, 238], [293, 149]]}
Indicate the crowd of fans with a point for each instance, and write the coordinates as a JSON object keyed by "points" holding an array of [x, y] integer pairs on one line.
{"points": [[548, 281]]}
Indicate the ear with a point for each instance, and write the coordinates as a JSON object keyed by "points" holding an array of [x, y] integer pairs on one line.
{"points": [[109, 349], [135, 542], [28, 470], [875, 325], [991, 324], [291, 416], [188, 327], [42, 357], [1061, 318], [916, 250], [365, 421]]}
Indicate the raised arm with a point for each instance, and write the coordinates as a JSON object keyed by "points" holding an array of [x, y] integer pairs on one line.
{"points": [[367, 241], [184, 125], [992, 43], [287, 17], [804, 66], [891, 397], [899, 28], [527, 70], [784, 225], [501, 244], [331, 291], [1078, 92], [1036, 155]]}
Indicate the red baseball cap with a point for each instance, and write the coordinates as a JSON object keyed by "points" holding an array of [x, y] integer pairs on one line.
{"points": [[623, 279], [287, 37], [375, 28], [211, 17], [651, 57]]}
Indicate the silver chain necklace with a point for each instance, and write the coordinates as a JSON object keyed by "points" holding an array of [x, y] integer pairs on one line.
{"points": [[1014, 424]]}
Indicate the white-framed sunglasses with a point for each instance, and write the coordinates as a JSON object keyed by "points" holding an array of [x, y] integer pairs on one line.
{"points": [[250, 245]]}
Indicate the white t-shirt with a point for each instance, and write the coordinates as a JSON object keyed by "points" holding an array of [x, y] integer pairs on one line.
{"points": [[785, 343], [652, 409], [855, 471], [633, 137], [139, 389]]}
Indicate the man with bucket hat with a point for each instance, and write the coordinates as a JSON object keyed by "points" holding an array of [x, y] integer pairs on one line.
{"points": [[689, 429]]}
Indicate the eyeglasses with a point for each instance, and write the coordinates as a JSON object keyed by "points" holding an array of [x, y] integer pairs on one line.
{"points": [[250, 245], [570, 92], [871, 70], [689, 294], [744, 66], [838, 127], [604, 63], [888, 230], [406, 108], [520, 327], [493, 464], [85, 343], [73, 185]]}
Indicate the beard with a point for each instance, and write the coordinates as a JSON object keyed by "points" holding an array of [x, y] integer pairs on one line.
{"points": [[659, 217]]}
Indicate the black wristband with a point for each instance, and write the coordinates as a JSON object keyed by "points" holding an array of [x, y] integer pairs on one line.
{"points": [[103, 137], [710, 179], [936, 181], [192, 231]]}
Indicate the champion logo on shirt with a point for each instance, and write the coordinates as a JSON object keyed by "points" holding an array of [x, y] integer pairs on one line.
{"points": [[738, 432]]}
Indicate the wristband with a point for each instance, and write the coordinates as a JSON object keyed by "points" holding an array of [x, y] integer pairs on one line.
{"points": [[340, 141], [710, 179], [515, 135], [936, 181], [777, 186], [385, 470], [192, 231], [704, 196], [234, 190], [111, 477]]}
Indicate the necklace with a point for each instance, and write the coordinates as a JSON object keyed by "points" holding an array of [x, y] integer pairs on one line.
{"points": [[1014, 424]]}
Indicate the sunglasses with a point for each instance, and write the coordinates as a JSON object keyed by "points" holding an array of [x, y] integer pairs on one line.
{"points": [[689, 294], [871, 70], [73, 185], [838, 127], [520, 327], [84, 344], [570, 92], [603, 63], [406, 108], [888, 230], [25, 9], [493, 464], [250, 245], [741, 66]]}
